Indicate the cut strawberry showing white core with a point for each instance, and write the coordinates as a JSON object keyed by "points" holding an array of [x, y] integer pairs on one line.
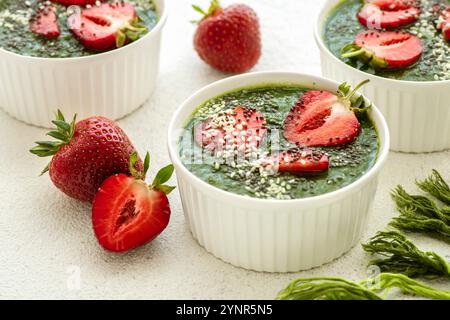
{"points": [[300, 161], [107, 26], [385, 49], [240, 129], [321, 118], [127, 213], [44, 22], [385, 14]]}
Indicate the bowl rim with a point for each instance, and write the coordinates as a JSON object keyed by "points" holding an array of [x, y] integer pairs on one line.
{"points": [[159, 25], [173, 139], [318, 28]]}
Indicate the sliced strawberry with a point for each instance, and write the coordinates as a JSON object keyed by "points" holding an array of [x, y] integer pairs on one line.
{"points": [[240, 128], [385, 49], [385, 14], [127, 213], [320, 118], [45, 23], [302, 161], [75, 2], [107, 26], [444, 23], [393, 5]]}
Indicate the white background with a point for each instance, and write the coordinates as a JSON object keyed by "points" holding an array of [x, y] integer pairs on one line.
{"points": [[43, 233]]}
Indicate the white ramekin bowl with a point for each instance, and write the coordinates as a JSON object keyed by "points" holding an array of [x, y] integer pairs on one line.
{"points": [[110, 84], [273, 235], [417, 113]]}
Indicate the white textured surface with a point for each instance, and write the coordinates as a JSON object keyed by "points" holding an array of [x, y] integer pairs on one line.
{"points": [[43, 233]]}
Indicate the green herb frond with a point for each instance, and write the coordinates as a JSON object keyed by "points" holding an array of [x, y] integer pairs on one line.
{"points": [[436, 186], [409, 220], [402, 256], [419, 204], [386, 281], [377, 288], [326, 288]]}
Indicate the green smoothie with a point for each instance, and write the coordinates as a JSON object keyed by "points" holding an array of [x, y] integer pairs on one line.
{"points": [[347, 162], [342, 26], [16, 37]]}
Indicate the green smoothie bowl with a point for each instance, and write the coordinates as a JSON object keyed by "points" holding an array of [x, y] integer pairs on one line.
{"points": [[277, 170], [402, 46], [81, 56]]}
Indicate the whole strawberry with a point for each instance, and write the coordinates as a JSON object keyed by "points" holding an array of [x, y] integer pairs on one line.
{"points": [[85, 154], [228, 39]]}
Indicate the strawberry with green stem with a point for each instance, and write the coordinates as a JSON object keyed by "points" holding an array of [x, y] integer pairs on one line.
{"points": [[321, 118], [228, 39], [385, 49], [84, 154], [126, 212], [108, 26]]}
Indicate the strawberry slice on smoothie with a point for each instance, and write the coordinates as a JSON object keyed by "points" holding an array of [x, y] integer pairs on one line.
{"points": [[444, 23], [44, 22], [300, 161], [385, 49], [76, 2], [107, 26], [240, 128], [386, 14], [321, 118]]}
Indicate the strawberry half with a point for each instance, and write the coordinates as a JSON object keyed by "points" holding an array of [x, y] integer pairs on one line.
{"points": [[321, 118], [392, 5], [444, 23], [127, 213], [385, 49], [85, 154], [240, 128], [301, 161], [228, 39], [385, 14], [107, 26], [44, 22], [75, 2]]}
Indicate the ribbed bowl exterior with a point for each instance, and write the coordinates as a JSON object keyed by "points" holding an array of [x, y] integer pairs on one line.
{"points": [[273, 235], [417, 113], [111, 84], [284, 238]]}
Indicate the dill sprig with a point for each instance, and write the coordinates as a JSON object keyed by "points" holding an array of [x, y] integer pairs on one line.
{"points": [[402, 256], [334, 288], [326, 288], [420, 204], [420, 214], [409, 220], [436, 186], [386, 281]]}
